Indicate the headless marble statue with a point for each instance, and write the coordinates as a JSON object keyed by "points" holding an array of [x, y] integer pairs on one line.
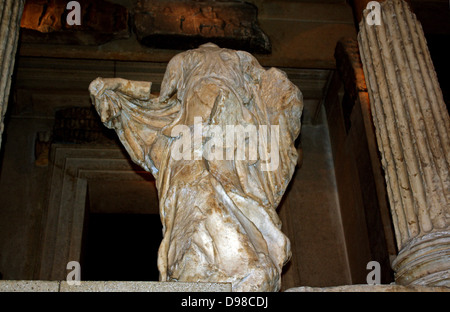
{"points": [[218, 213]]}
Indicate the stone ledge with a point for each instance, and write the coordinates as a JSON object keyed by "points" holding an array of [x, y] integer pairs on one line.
{"points": [[29, 286], [145, 287], [98, 286], [370, 288], [91, 286]]}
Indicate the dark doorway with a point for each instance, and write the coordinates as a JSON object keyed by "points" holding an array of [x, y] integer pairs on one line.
{"points": [[121, 247]]}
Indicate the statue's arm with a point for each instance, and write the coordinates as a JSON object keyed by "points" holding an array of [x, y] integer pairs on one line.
{"points": [[105, 95], [128, 107]]}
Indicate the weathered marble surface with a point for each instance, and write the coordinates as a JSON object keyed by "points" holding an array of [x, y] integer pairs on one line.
{"points": [[219, 216]]}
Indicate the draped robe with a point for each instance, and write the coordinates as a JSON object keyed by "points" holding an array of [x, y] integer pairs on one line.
{"points": [[218, 215]]}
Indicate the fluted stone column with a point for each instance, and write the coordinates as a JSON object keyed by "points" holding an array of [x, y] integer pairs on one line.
{"points": [[412, 128], [11, 13]]}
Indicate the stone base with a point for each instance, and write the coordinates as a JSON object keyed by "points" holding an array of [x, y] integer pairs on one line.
{"points": [[424, 261], [56, 286], [370, 288]]}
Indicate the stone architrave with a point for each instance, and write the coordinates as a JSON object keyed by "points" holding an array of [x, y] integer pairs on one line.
{"points": [[412, 128], [217, 202], [11, 12]]}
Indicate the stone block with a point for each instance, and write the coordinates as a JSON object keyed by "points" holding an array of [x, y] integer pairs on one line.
{"points": [[45, 21], [187, 24]]}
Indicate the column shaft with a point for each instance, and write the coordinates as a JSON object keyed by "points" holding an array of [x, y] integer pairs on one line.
{"points": [[412, 127], [10, 12]]}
